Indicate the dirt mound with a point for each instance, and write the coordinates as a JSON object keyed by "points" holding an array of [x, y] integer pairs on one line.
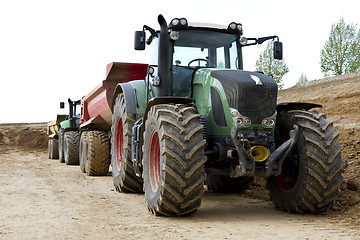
{"points": [[340, 97], [24, 135]]}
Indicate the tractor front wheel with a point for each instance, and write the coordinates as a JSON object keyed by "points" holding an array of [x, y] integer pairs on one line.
{"points": [[311, 173], [173, 160]]}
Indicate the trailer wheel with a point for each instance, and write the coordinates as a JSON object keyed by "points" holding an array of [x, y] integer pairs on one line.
{"points": [[71, 147], [123, 172], [61, 145], [83, 151], [173, 159], [98, 153], [226, 184], [53, 149], [311, 174]]}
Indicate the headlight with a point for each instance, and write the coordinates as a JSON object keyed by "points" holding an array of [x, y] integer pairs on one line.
{"points": [[238, 118], [183, 21], [269, 121], [243, 40], [174, 35], [232, 25], [236, 27], [175, 22]]}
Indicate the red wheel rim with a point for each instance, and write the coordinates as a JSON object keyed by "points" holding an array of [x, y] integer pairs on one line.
{"points": [[154, 161], [119, 140], [285, 186]]}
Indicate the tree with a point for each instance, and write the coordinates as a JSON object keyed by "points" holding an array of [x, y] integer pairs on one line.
{"points": [[270, 66], [341, 52], [302, 79]]}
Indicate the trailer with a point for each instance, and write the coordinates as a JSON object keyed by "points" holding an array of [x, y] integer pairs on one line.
{"points": [[96, 116]]}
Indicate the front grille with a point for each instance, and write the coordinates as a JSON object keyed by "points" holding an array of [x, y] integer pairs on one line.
{"points": [[254, 101]]}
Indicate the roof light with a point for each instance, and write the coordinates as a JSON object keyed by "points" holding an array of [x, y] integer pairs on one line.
{"points": [[236, 27], [232, 25], [183, 21], [175, 21]]}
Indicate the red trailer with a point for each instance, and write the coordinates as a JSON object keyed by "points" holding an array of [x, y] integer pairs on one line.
{"points": [[96, 116]]}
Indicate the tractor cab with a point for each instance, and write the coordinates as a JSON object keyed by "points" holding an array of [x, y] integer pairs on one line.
{"points": [[180, 49]]}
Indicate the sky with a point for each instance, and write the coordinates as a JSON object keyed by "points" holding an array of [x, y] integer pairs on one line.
{"points": [[52, 50]]}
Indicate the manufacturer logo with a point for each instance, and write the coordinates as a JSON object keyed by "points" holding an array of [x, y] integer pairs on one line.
{"points": [[257, 80]]}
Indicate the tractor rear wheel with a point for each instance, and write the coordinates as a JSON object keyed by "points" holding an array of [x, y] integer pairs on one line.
{"points": [[98, 153], [61, 145], [173, 159], [311, 174], [123, 172], [83, 151], [53, 149], [71, 147], [226, 184]]}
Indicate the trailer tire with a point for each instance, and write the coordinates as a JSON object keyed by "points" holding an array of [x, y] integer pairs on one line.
{"points": [[315, 183], [61, 145], [53, 149], [226, 184], [71, 147], [98, 153], [83, 151], [123, 172], [173, 159]]}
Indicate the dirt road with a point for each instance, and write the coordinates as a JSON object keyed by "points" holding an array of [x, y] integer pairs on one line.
{"points": [[45, 199]]}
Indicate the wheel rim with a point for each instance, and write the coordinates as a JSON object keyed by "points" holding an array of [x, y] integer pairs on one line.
{"points": [[119, 140], [154, 161], [288, 180], [285, 186]]}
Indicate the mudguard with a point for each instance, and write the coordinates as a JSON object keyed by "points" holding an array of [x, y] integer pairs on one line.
{"points": [[286, 106], [134, 94]]}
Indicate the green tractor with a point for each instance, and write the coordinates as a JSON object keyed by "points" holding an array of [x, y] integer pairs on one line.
{"points": [[69, 134], [199, 118]]}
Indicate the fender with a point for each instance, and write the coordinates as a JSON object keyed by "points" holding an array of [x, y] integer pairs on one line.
{"points": [[134, 94], [286, 106]]}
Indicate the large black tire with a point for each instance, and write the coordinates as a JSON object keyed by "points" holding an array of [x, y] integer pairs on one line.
{"points": [[61, 145], [71, 147], [226, 184], [98, 153], [83, 151], [123, 172], [311, 174], [173, 159], [53, 148]]}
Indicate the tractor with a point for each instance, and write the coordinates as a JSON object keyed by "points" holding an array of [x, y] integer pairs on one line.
{"points": [[69, 134], [192, 119]]}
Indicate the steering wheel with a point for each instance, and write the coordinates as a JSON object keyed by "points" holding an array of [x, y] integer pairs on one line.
{"points": [[199, 60]]}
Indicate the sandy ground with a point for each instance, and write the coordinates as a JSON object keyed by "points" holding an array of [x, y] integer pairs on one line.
{"points": [[45, 199]]}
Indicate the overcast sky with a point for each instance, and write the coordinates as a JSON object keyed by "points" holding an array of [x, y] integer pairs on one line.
{"points": [[52, 50]]}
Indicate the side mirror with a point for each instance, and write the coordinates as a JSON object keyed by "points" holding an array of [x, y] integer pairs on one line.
{"points": [[278, 50], [62, 105], [139, 43]]}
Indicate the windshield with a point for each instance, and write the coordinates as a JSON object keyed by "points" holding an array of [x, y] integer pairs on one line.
{"points": [[202, 48]]}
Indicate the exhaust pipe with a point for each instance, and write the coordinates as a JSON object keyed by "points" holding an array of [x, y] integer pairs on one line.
{"points": [[165, 86]]}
